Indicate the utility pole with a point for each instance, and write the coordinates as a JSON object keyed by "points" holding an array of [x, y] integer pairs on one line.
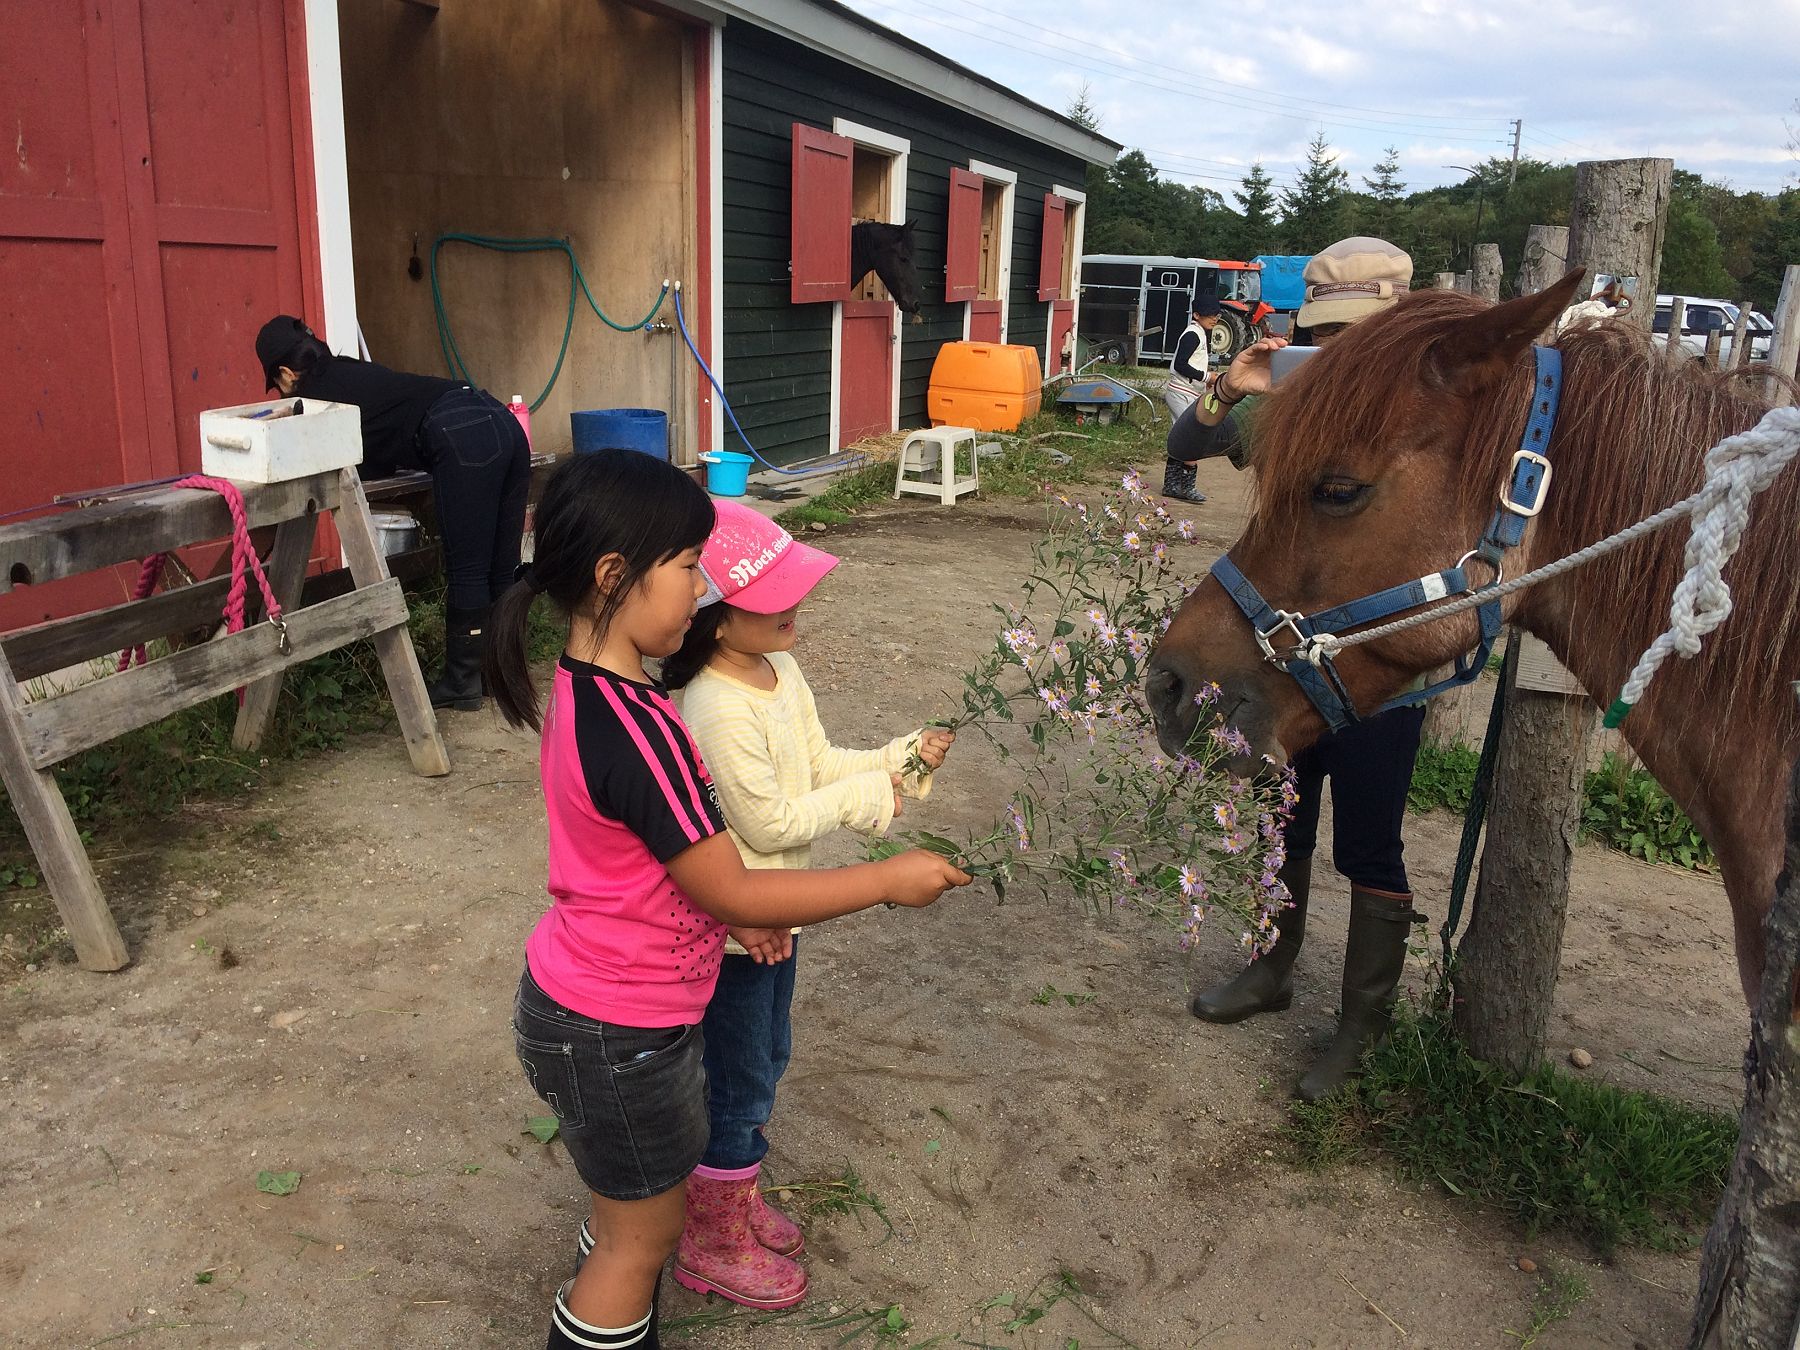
{"points": [[1512, 175]]}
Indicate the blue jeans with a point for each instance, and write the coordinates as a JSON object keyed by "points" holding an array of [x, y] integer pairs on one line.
{"points": [[748, 1042]]}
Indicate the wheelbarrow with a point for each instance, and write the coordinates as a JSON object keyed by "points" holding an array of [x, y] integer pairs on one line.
{"points": [[1101, 399]]}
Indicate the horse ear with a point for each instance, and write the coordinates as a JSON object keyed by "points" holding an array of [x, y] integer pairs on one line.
{"points": [[1483, 347]]}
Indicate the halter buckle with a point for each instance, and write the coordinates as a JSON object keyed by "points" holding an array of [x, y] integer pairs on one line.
{"points": [[1283, 619], [1510, 503]]}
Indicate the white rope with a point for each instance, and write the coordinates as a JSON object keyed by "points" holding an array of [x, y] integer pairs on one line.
{"points": [[1737, 468]]}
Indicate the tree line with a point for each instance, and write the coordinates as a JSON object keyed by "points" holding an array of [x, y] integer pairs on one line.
{"points": [[1719, 242]]}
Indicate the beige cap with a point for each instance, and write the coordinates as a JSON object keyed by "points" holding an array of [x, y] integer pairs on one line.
{"points": [[1353, 279]]}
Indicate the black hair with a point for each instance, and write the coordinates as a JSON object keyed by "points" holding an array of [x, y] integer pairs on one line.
{"points": [[697, 647], [611, 501], [307, 356]]}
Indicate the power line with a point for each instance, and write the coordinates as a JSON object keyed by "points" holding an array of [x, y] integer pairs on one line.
{"points": [[1469, 122], [1131, 76]]}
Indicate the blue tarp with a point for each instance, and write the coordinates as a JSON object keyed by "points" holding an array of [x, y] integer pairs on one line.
{"points": [[1282, 285]]}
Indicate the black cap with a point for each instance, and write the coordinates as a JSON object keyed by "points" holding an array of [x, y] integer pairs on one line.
{"points": [[1206, 300], [277, 341]]}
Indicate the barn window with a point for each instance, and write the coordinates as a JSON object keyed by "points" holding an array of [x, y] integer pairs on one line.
{"points": [[962, 266]]}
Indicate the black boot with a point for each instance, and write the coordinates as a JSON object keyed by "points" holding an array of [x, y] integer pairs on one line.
{"points": [[459, 687], [1178, 482], [1374, 959], [1266, 984], [567, 1332]]}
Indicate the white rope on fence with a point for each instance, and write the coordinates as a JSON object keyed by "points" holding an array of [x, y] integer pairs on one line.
{"points": [[1737, 468]]}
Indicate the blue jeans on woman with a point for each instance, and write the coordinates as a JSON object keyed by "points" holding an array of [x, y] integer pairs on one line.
{"points": [[749, 1040]]}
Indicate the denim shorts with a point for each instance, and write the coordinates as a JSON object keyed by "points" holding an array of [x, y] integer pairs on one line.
{"points": [[631, 1100]]}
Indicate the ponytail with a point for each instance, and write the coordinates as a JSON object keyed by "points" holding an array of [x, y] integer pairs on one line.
{"points": [[697, 647], [504, 662], [609, 502]]}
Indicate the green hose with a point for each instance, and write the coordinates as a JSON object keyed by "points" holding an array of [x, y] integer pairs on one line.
{"points": [[577, 285]]}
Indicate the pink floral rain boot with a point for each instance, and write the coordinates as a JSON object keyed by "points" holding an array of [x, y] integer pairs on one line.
{"points": [[773, 1229], [719, 1252]]}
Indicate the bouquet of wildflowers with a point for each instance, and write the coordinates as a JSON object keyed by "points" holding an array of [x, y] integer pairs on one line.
{"points": [[1102, 809]]}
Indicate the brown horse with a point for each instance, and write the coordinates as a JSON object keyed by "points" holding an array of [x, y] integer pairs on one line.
{"points": [[1382, 459]]}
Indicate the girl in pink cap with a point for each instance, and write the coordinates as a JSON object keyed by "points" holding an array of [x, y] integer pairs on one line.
{"points": [[643, 880], [782, 785]]}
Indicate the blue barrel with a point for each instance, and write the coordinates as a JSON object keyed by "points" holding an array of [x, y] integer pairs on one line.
{"points": [[645, 429]]}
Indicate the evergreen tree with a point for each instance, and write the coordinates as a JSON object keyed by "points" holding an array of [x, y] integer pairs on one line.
{"points": [[1383, 211], [1312, 211], [1256, 199], [1082, 111]]}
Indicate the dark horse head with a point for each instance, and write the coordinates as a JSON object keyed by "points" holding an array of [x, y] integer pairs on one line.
{"points": [[887, 251]]}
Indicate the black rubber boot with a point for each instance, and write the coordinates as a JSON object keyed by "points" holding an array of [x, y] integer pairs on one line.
{"points": [[1178, 482], [1374, 959], [459, 687], [1266, 984], [569, 1333]]}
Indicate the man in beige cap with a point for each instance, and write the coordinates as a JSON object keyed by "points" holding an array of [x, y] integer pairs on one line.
{"points": [[1369, 763]]}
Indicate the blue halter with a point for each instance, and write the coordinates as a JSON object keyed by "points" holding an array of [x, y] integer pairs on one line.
{"points": [[1520, 500]]}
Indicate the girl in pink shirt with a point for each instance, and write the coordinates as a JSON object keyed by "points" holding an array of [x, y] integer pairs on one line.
{"points": [[642, 877]]}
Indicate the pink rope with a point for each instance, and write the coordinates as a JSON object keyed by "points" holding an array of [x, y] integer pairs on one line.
{"points": [[244, 565]]}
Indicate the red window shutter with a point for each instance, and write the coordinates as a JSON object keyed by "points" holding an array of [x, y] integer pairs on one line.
{"points": [[1050, 258], [821, 216], [962, 266]]}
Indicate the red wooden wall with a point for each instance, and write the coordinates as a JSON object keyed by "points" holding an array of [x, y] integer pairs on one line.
{"points": [[155, 208]]}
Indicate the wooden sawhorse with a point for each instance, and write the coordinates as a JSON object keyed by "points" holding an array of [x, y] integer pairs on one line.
{"points": [[38, 734]]}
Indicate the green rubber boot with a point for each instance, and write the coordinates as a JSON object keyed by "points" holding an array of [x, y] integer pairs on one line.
{"points": [[1266, 984], [1374, 960]]}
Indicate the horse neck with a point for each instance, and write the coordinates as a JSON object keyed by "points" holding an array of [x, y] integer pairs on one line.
{"points": [[1719, 730], [862, 251]]}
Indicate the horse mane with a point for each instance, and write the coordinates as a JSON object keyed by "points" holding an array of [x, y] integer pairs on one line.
{"points": [[1632, 433]]}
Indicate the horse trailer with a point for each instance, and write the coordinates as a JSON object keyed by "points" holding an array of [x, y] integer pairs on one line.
{"points": [[1134, 308]]}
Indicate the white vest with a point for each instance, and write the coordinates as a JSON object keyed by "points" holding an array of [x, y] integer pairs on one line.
{"points": [[1182, 384]]}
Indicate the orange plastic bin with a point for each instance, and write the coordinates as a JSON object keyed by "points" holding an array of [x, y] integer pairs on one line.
{"points": [[987, 386]]}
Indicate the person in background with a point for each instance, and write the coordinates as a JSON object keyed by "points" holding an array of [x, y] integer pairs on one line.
{"points": [[471, 445], [1369, 764], [1187, 384]]}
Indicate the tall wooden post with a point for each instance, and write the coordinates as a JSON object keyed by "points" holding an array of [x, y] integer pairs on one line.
{"points": [[1484, 280], [1506, 974], [1784, 345]]}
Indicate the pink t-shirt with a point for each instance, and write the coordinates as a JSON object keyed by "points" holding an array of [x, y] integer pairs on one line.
{"points": [[625, 792]]}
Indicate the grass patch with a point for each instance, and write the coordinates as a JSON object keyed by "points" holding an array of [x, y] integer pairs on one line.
{"points": [[1549, 1150], [1623, 805], [1558, 1291], [148, 775], [847, 1194]]}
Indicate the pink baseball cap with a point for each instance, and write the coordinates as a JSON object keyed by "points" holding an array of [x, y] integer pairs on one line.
{"points": [[751, 563]]}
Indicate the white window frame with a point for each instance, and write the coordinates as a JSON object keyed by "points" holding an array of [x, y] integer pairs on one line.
{"points": [[331, 177], [899, 149], [994, 173]]}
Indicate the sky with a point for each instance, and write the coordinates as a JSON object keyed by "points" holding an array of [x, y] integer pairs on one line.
{"points": [[1206, 89]]}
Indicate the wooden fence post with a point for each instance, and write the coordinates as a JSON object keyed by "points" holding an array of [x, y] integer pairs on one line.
{"points": [[1484, 280], [1446, 281], [1507, 968], [1711, 355], [1784, 345], [1677, 322], [1750, 1267], [1739, 336]]}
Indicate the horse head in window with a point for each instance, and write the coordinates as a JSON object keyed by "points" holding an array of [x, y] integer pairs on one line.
{"points": [[887, 251]]}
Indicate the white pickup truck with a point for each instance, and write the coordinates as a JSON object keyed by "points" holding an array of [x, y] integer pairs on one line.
{"points": [[1704, 315]]}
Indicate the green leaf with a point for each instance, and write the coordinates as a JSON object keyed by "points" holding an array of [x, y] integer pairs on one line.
{"points": [[542, 1128], [277, 1183], [203, 1277], [931, 1147], [895, 1321]]}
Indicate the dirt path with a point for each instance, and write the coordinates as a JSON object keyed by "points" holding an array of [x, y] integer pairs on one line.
{"points": [[359, 1036]]}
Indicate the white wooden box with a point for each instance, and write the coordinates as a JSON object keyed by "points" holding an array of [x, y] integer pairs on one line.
{"points": [[272, 443]]}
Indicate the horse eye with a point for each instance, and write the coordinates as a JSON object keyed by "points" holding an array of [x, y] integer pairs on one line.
{"points": [[1338, 494]]}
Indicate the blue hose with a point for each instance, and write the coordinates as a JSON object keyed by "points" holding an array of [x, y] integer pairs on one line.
{"points": [[699, 360]]}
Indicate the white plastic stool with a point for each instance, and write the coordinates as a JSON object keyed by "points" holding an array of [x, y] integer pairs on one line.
{"points": [[933, 452]]}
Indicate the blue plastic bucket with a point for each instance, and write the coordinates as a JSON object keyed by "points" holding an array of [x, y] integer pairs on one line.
{"points": [[645, 429], [727, 473]]}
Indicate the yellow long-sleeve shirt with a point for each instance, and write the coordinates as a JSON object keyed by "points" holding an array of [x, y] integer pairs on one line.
{"points": [[781, 782]]}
